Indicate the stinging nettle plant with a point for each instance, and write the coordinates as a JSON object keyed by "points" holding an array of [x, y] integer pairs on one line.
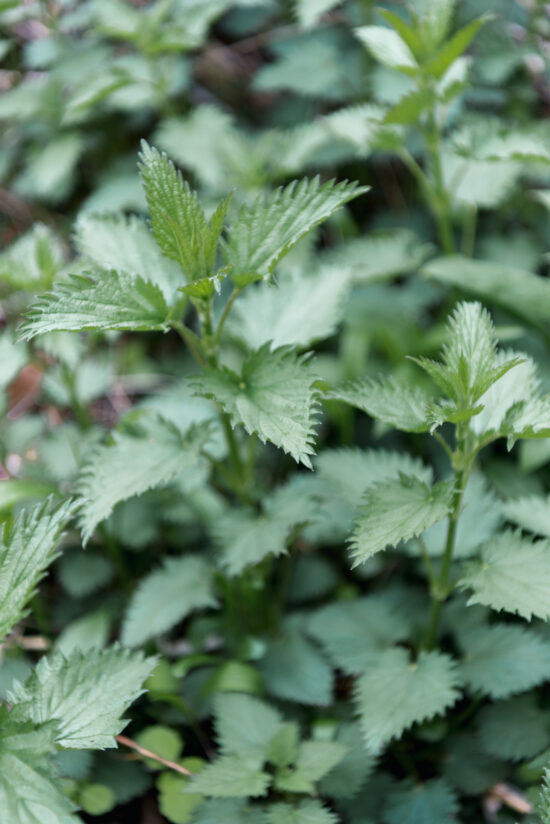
{"points": [[410, 660]]}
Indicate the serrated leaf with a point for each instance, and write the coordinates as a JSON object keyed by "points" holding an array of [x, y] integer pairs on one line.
{"points": [[267, 230], [232, 776], [309, 811], [510, 402], [380, 256], [85, 694], [386, 46], [297, 311], [134, 463], [397, 511], [454, 47], [433, 802], [232, 810], [273, 397], [295, 670], [514, 729], [502, 659], [520, 292], [334, 627], [166, 596], [531, 513], [404, 407], [348, 776], [245, 724], [395, 693], [29, 788], [125, 244], [110, 300], [314, 759], [512, 574], [178, 222], [543, 803], [26, 550]]}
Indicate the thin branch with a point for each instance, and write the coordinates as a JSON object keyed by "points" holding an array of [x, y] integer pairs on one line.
{"points": [[192, 341], [223, 317], [133, 745]]}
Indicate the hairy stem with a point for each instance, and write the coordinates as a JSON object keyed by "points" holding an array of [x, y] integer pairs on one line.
{"points": [[223, 317], [440, 204]]}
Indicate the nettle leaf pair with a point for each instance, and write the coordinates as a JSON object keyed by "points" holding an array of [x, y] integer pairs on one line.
{"points": [[273, 396], [67, 703]]}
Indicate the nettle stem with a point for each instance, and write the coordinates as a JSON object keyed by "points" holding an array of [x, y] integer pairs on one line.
{"points": [[440, 201]]}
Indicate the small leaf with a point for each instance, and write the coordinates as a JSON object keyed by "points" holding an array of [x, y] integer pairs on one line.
{"points": [[309, 811], [273, 398], [397, 511], [166, 596], [109, 300], [513, 574], [232, 776], [267, 230], [395, 693], [388, 48], [404, 407]]}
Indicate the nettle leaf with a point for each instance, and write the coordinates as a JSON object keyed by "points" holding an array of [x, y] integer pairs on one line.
{"points": [[510, 402], [235, 810], [29, 788], [85, 694], [543, 804], [166, 596], [273, 397], [470, 364], [531, 513], [514, 729], [313, 760], [26, 550], [135, 462], [309, 811], [396, 693], [298, 310], [400, 406], [232, 776], [245, 538], [266, 231], [381, 256], [245, 724], [396, 511], [512, 574], [309, 12], [504, 659], [468, 768], [294, 669], [126, 245], [520, 292], [102, 301], [433, 802], [386, 46], [347, 777], [178, 222], [334, 626]]}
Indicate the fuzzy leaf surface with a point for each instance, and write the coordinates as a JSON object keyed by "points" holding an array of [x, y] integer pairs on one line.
{"points": [[403, 407], [273, 397], [109, 300], [26, 550], [266, 231], [397, 511], [134, 463], [166, 596], [395, 693], [85, 694], [512, 574]]}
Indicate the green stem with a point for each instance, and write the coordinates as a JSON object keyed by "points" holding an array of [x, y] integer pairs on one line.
{"points": [[223, 317], [441, 589], [441, 202], [192, 341]]}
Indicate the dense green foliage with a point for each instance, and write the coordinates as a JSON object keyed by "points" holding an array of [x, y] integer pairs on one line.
{"points": [[275, 396]]}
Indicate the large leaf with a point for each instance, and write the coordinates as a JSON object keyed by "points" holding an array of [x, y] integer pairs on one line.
{"points": [[178, 222], [512, 574], [166, 596], [134, 462], [267, 230], [109, 300], [531, 513], [397, 511], [84, 694], [244, 724], [403, 407], [395, 693], [432, 802], [26, 550], [515, 729], [29, 788], [273, 397], [502, 659]]}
